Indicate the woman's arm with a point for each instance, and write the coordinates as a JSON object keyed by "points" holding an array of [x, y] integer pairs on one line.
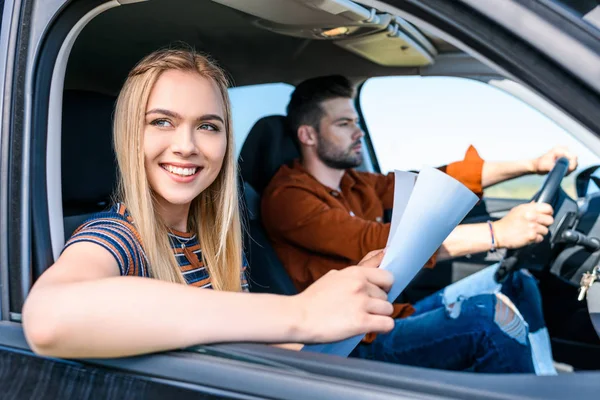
{"points": [[81, 307]]}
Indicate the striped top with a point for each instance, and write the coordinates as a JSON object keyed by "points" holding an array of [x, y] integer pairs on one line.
{"points": [[114, 231]]}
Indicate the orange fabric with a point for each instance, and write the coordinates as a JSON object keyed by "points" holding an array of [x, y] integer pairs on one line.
{"points": [[468, 171], [314, 228]]}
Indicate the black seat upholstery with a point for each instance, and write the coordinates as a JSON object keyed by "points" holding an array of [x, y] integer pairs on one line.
{"points": [[267, 147], [88, 163], [265, 150], [266, 273]]}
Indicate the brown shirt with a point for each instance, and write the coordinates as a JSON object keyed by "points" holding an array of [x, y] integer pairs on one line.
{"points": [[314, 228]]}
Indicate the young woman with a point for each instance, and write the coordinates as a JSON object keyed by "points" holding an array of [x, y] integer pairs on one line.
{"points": [[177, 221]]}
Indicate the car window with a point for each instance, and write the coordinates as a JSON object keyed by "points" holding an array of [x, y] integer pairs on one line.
{"points": [[250, 103], [430, 121], [588, 10]]}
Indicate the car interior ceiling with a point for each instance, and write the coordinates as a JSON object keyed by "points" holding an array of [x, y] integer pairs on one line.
{"points": [[111, 44]]}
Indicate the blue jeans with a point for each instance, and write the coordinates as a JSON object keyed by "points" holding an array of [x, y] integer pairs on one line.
{"points": [[520, 287], [465, 327]]}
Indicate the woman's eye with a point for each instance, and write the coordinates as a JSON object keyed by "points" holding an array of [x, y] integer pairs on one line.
{"points": [[208, 127], [161, 123]]}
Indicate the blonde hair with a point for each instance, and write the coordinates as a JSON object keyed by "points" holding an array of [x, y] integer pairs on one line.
{"points": [[214, 213]]}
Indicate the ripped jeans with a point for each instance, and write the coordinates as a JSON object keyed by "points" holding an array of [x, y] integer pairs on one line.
{"points": [[466, 327]]}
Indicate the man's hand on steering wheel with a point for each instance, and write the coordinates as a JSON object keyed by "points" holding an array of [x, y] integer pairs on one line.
{"points": [[544, 163], [546, 196], [523, 225]]}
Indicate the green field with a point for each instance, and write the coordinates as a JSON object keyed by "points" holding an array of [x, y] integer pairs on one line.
{"points": [[526, 186]]}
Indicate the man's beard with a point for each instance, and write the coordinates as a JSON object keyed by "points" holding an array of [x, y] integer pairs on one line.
{"points": [[337, 159]]}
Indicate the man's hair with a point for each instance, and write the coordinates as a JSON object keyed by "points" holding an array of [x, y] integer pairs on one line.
{"points": [[304, 107]]}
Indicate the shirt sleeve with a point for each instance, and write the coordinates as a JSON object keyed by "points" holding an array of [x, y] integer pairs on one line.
{"points": [[299, 217], [468, 171], [118, 239]]}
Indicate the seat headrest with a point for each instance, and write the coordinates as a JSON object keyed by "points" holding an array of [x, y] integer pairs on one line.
{"points": [[268, 146], [88, 163]]}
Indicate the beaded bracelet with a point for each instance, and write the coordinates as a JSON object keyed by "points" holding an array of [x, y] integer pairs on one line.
{"points": [[493, 249]]}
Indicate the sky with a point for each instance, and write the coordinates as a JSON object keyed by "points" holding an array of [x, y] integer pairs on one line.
{"points": [[250, 103], [430, 121], [416, 122]]}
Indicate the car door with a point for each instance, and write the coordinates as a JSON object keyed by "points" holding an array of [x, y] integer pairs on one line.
{"points": [[32, 41], [32, 51], [23, 374]]}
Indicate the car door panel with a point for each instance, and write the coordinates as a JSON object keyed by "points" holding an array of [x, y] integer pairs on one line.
{"points": [[247, 371], [25, 376], [204, 372]]}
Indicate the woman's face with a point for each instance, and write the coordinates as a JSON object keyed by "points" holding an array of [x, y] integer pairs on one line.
{"points": [[184, 137]]}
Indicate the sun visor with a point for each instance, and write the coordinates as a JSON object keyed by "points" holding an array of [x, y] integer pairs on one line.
{"points": [[303, 13], [390, 48], [379, 37], [416, 35], [312, 19]]}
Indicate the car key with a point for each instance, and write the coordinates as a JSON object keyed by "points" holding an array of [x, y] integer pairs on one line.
{"points": [[587, 280]]}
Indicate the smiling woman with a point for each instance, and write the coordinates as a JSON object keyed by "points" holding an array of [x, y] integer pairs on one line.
{"points": [[183, 127], [177, 220]]}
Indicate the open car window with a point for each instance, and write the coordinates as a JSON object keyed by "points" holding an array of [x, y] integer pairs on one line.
{"points": [[250, 103], [430, 121]]}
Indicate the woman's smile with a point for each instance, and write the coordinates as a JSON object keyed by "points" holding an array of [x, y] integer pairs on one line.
{"points": [[181, 173]]}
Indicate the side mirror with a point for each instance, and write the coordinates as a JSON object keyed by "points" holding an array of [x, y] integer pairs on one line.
{"points": [[582, 181]]}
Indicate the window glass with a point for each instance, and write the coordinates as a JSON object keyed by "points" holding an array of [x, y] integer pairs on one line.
{"points": [[431, 121], [251, 103], [588, 10]]}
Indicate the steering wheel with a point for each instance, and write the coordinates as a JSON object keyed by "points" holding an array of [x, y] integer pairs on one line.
{"points": [[547, 194]]}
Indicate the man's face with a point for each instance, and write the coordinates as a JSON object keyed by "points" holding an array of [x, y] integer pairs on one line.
{"points": [[339, 137]]}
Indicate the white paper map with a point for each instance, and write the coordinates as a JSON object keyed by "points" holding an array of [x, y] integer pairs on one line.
{"points": [[427, 207]]}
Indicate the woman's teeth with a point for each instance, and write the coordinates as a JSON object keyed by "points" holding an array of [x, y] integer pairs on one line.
{"points": [[180, 171]]}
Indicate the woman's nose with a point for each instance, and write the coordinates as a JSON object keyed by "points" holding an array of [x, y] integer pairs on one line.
{"points": [[183, 142]]}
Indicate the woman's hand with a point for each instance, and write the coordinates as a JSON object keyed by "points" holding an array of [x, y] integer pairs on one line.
{"points": [[348, 302]]}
